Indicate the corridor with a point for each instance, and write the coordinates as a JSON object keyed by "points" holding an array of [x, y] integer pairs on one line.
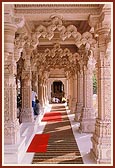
{"points": [[63, 146]]}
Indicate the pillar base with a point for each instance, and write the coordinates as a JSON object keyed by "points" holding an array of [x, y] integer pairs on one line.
{"points": [[73, 106], [78, 111], [14, 153], [87, 125], [11, 132], [87, 120], [100, 160], [101, 142], [77, 117], [27, 115]]}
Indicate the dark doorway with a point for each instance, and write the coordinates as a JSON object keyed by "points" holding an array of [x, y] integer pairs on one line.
{"points": [[57, 90]]}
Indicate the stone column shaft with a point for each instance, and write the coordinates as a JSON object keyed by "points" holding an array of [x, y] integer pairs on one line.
{"points": [[43, 96], [102, 138], [27, 111], [74, 99], [87, 120], [70, 92], [40, 92], [35, 81], [79, 95], [11, 123]]}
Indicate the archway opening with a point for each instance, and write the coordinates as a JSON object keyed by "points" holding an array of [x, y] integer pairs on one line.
{"points": [[57, 91]]}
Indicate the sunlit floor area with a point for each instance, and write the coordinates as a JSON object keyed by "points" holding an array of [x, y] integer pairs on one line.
{"points": [[83, 140]]}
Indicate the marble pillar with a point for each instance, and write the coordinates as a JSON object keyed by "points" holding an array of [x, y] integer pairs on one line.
{"points": [[79, 95], [102, 137], [87, 119], [35, 81], [40, 91], [27, 114], [74, 99], [70, 84], [11, 123]]}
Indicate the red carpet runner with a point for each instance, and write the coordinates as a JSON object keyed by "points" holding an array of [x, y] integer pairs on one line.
{"points": [[39, 143], [52, 116], [62, 147]]}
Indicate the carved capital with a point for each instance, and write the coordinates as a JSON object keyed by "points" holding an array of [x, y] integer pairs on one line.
{"points": [[20, 40], [10, 68], [17, 54], [93, 20], [19, 21], [26, 75]]}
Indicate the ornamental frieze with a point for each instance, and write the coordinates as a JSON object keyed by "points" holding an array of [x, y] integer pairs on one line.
{"points": [[57, 8]]}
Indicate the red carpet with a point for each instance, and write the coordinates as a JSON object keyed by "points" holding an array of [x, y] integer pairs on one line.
{"points": [[39, 143], [52, 116]]}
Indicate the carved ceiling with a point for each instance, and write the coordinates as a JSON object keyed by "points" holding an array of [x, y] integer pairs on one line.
{"points": [[55, 57], [65, 26]]}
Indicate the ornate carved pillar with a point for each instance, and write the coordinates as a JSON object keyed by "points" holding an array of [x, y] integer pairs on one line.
{"points": [[67, 87], [43, 95], [79, 95], [27, 111], [47, 101], [11, 123], [74, 100], [35, 81], [102, 136], [40, 90], [45, 92], [87, 120], [70, 82]]}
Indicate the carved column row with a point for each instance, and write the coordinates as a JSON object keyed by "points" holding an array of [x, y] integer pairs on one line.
{"points": [[102, 136]]}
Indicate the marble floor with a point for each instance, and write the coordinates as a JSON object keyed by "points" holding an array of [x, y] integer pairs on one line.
{"points": [[82, 139]]}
